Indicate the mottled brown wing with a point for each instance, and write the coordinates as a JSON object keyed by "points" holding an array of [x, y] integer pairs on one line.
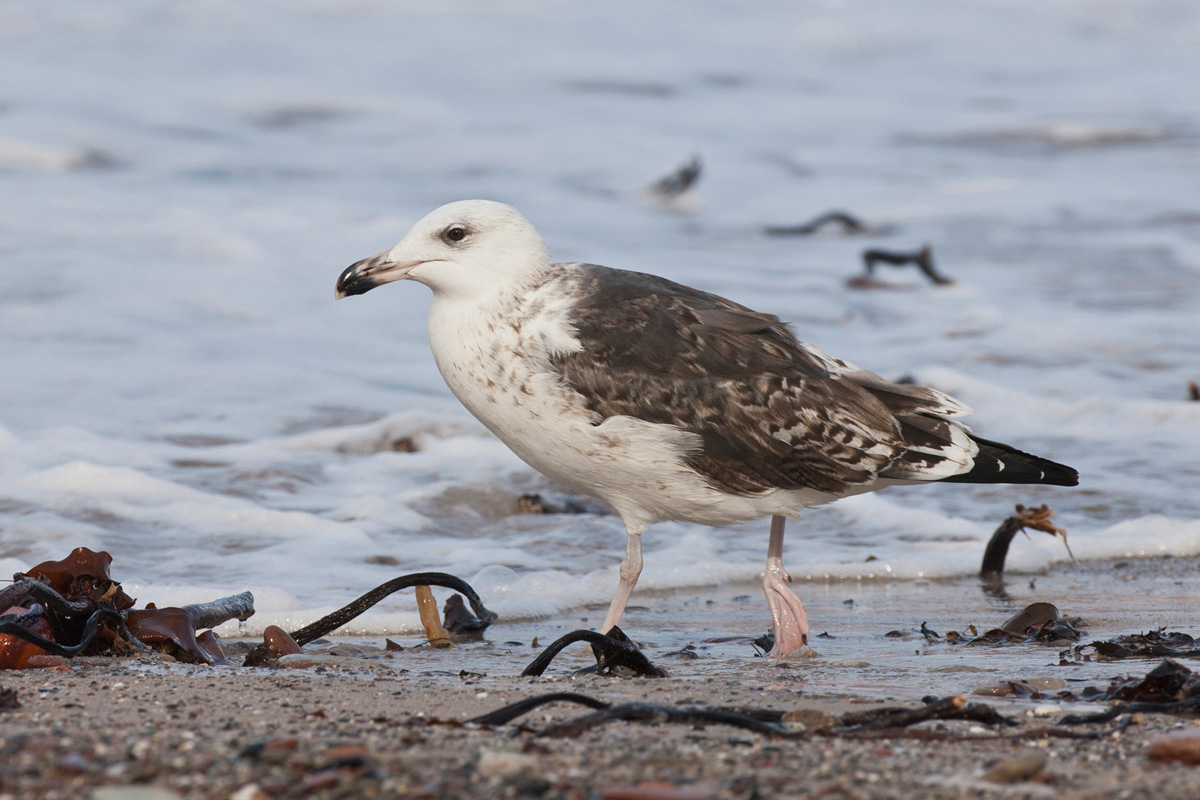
{"points": [[772, 413]]}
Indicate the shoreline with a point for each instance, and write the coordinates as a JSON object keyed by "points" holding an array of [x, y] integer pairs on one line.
{"points": [[372, 732], [364, 722]]}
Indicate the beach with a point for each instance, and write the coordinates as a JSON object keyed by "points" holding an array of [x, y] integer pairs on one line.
{"points": [[359, 720]]}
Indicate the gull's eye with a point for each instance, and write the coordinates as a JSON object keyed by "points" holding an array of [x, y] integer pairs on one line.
{"points": [[455, 233]]}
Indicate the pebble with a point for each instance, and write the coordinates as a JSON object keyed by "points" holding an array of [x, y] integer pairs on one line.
{"points": [[1016, 769], [1181, 747], [306, 661], [134, 793], [503, 764], [811, 718]]}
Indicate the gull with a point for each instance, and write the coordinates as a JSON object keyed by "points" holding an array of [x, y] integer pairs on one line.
{"points": [[667, 402]]}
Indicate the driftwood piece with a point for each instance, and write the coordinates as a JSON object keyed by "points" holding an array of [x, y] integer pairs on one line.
{"points": [[218, 612], [428, 611]]}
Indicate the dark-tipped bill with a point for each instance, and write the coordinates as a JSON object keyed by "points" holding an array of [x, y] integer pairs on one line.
{"points": [[363, 276]]}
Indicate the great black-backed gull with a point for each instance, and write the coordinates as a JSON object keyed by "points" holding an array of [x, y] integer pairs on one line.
{"points": [[665, 401]]}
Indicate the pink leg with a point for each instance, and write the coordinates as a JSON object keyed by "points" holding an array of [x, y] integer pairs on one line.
{"points": [[631, 568], [787, 612]]}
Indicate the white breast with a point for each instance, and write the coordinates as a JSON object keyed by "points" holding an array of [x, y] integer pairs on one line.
{"points": [[496, 360]]}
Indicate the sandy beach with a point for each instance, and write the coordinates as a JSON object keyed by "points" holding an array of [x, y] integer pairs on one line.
{"points": [[357, 720]]}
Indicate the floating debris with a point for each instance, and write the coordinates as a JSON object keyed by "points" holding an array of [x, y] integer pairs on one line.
{"points": [[673, 185], [922, 258], [1153, 644], [847, 225], [997, 547], [1193, 391]]}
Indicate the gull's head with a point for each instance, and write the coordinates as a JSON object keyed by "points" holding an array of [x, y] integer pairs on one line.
{"points": [[469, 248]]}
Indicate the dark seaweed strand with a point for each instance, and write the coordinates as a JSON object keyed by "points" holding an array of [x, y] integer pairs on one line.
{"points": [[35, 612], [658, 715], [997, 547], [612, 652], [508, 713], [337, 619], [849, 223], [539, 664], [48, 597], [1182, 706], [90, 629]]}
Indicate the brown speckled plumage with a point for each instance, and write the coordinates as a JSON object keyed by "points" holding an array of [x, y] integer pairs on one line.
{"points": [[773, 413]]}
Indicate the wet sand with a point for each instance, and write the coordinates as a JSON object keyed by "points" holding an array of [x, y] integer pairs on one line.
{"points": [[365, 723]]}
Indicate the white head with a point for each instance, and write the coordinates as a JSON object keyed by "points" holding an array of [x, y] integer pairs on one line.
{"points": [[469, 249]]}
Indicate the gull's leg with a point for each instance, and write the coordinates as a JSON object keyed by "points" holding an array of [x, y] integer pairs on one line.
{"points": [[631, 568], [787, 612]]}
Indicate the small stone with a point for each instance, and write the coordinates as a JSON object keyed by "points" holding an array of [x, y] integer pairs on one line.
{"points": [[133, 792], [1045, 710], [1181, 747], [502, 764], [348, 755], [1016, 770], [810, 718], [655, 790], [320, 780]]}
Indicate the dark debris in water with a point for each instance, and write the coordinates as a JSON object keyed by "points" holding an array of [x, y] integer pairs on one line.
{"points": [[615, 654], [844, 223], [679, 181], [470, 625], [922, 259], [1153, 644], [1037, 622], [1169, 688], [997, 548]]}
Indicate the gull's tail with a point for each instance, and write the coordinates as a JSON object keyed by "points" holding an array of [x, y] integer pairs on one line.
{"points": [[1000, 463]]}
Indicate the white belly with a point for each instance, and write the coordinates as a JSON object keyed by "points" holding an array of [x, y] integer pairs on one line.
{"points": [[637, 467]]}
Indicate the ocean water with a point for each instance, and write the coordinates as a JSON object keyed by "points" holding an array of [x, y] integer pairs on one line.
{"points": [[180, 186]]}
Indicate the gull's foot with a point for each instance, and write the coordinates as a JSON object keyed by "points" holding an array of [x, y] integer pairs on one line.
{"points": [[787, 613]]}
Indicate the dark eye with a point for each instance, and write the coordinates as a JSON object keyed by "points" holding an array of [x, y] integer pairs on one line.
{"points": [[456, 234]]}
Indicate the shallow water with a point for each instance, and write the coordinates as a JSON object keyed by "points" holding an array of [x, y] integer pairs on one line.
{"points": [[866, 639], [180, 187]]}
